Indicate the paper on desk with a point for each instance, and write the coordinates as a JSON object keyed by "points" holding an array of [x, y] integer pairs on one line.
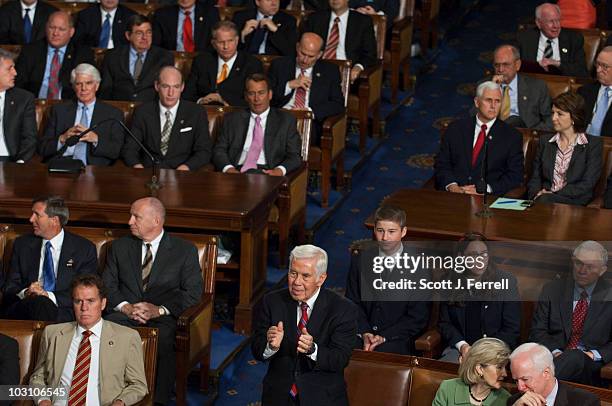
{"points": [[508, 204]]}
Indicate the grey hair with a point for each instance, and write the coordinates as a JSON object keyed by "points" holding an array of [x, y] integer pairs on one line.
{"points": [[309, 251], [607, 48], [516, 54], [591, 245], [4, 54], [540, 356], [488, 85], [54, 207], [85, 69], [538, 10]]}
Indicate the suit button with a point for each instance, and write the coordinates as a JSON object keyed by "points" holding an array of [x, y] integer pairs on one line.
{"points": [[135, 95], [484, 336], [375, 328], [469, 178]]}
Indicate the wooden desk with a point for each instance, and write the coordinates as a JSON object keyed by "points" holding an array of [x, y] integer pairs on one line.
{"points": [[206, 201]]}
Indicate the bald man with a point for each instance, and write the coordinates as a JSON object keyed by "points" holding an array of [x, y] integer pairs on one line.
{"points": [[152, 277]]}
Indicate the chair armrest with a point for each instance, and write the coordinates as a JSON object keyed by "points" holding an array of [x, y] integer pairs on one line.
{"points": [[400, 25], [606, 371], [191, 313], [294, 174], [429, 343], [369, 71], [330, 126]]}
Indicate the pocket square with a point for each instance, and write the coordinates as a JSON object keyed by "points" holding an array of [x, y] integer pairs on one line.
{"points": [[182, 130]]}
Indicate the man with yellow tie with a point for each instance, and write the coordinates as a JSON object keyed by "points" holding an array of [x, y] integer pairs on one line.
{"points": [[219, 77]]}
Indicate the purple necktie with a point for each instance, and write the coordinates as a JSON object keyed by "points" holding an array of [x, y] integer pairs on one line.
{"points": [[255, 148]]}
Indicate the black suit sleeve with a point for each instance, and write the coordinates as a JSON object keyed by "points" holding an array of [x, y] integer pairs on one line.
{"points": [[284, 39], [110, 136], [535, 183], [190, 290], [293, 146], [9, 361], [278, 81], [334, 354], [577, 66], [543, 328], [513, 175], [450, 333], [368, 52], [223, 144], [47, 145], [353, 293], [27, 144], [443, 167], [334, 102], [511, 316], [86, 263], [587, 184], [131, 150], [201, 149]]}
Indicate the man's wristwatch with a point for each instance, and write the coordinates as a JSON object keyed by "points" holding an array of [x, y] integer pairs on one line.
{"points": [[162, 311]]}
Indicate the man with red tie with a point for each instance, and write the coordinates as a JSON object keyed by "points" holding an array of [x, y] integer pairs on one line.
{"points": [[458, 166]]}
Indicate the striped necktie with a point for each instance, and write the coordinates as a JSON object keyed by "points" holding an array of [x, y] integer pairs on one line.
{"points": [[80, 375], [333, 41], [301, 325]]}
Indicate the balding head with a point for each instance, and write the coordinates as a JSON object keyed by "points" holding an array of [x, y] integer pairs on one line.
{"points": [[507, 62], [548, 20], [60, 28], [309, 50], [147, 218]]}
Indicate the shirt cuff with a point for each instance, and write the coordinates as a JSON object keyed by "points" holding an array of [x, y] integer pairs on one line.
{"points": [[460, 344], [313, 356], [52, 297], [287, 89], [21, 294], [226, 167], [268, 352], [556, 351], [489, 189], [596, 355], [166, 310], [120, 305], [283, 169], [20, 161], [449, 185], [358, 65]]}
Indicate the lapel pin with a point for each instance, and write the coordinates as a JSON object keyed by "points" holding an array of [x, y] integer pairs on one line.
{"points": [[182, 121], [118, 21], [237, 69], [69, 56], [70, 263], [201, 18], [524, 97], [12, 102], [317, 74], [564, 50], [111, 343]]}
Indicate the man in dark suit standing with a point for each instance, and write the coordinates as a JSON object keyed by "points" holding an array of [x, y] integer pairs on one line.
{"points": [[573, 318], [23, 22], [18, 129], [266, 30], [533, 370], [185, 26], [174, 130], [306, 333], [306, 82], [554, 50], [44, 67], [459, 161], [262, 140], [129, 71], [219, 77], [100, 147], [44, 263], [9, 363], [152, 278], [103, 25], [597, 96]]}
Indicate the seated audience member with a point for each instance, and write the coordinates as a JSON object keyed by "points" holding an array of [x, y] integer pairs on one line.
{"points": [[306, 365], [307, 82], [152, 278], [174, 130], [103, 25], [128, 71], [18, 129], [554, 179], [44, 263], [309, 5], [573, 318], [263, 139], [597, 96], [553, 49], [480, 377], [471, 315], [347, 34], [9, 363], [266, 30], [69, 119], [579, 14], [534, 372], [384, 325], [525, 100], [44, 66], [22, 22], [458, 164], [97, 361], [185, 25], [608, 194], [388, 8], [218, 77]]}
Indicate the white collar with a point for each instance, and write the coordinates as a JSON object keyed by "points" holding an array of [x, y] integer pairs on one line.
{"points": [[96, 329]]}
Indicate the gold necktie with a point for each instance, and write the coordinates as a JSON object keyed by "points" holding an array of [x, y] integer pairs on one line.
{"points": [[505, 107], [223, 74]]}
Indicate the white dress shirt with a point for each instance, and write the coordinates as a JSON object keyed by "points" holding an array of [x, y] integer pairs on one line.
{"points": [[229, 63], [112, 19], [162, 114], [542, 46], [602, 88], [30, 13], [291, 102], [3, 147], [342, 25]]}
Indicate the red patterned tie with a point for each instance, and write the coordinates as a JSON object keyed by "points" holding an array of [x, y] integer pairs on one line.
{"points": [[332, 41], [301, 325], [80, 375], [300, 95], [479, 143], [578, 317], [222, 3], [53, 89], [188, 44]]}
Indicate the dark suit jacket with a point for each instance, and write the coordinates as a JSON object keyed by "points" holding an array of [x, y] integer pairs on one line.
{"points": [[19, 124], [505, 158], [360, 46], [389, 7], [9, 363], [175, 281], [203, 77], [534, 102], [282, 143], [30, 66], [110, 134], [608, 195], [326, 98], [281, 42], [165, 26], [189, 141], [11, 22], [89, 26], [566, 396], [589, 93], [333, 326], [552, 320], [118, 83], [78, 257], [571, 49], [582, 174]]}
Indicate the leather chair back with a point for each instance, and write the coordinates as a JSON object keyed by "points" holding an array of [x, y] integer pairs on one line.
{"points": [[28, 334]]}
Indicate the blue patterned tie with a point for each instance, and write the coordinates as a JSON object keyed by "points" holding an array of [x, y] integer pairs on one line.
{"points": [[600, 113], [259, 36], [48, 273], [27, 26], [80, 149], [105, 33]]}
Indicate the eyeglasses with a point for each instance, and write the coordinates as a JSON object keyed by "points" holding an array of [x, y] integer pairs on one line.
{"points": [[589, 267], [502, 65], [602, 66], [142, 34]]}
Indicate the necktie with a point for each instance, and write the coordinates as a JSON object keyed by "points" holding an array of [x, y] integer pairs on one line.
{"points": [[300, 96], [80, 149], [504, 113], [578, 317], [258, 37], [188, 44], [255, 148], [147, 264], [165, 135], [223, 74], [221, 3], [105, 32], [53, 90], [138, 67], [301, 325], [48, 272], [600, 113], [479, 143], [80, 375], [332, 41], [548, 51], [27, 26]]}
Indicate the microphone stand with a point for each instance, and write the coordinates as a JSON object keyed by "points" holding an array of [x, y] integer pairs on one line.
{"points": [[485, 212]]}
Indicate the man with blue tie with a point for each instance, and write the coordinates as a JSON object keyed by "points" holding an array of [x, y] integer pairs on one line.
{"points": [[23, 22], [103, 25], [43, 265], [597, 96]]}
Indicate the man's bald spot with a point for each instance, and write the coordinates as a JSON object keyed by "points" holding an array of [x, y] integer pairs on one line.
{"points": [[169, 68], [154, 205], [547, 8], [63, 15], [312, 41], [606, 49]]}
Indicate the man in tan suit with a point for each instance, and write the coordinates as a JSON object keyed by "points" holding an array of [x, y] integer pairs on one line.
{"points": [[97, 362]]}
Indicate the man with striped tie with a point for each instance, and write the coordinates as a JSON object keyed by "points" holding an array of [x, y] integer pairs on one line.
{"points": [[97, 362], [306, 333]]}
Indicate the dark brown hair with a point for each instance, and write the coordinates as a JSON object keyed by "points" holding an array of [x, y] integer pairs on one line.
{"points": [[89, 280], [573, 104], [257, 77], [137, 19], [390, 213]]}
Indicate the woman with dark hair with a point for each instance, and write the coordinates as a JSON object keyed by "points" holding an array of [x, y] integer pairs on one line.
{"points": [[471, 314], [568, 164]]}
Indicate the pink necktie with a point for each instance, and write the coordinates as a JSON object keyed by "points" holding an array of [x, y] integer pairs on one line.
{"points": [[255, 148], [300, 96]]}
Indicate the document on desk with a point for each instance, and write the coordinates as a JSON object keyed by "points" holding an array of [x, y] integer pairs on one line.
{"points": [[509, 204]]}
